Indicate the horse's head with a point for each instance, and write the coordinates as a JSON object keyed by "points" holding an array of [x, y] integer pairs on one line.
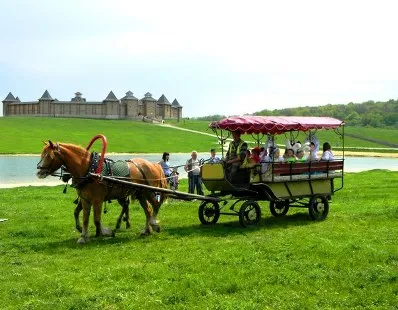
{"points": [[50, 160]]}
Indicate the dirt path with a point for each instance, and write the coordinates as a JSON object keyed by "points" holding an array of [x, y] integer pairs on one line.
{"points": [[191, 130]]}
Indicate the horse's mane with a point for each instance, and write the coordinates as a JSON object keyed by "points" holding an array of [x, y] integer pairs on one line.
{"points": [[73, 148]]}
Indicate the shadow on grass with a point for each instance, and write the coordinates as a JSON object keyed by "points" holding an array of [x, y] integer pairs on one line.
{"points": [[234, 227], [221, 229], [71, 243]]}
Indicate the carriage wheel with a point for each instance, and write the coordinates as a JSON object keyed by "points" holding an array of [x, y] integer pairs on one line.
{"points": [[279, 208], [209, 212], [249, 213], [318, 207]]}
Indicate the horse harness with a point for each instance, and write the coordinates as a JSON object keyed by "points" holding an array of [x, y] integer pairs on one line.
{"points": [[108, 169]]}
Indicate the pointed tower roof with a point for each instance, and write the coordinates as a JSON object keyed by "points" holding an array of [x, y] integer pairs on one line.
{"points": [[111, 97], [10, 98], [129, 95], [176, 104], [148, 97], [46, 96], [17, 99], [163, 100]]}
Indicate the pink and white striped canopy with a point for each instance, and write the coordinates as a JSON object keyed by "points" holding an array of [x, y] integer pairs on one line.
{"points": [[275, 124]]}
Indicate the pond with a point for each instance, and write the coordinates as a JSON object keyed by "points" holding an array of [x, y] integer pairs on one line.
{"points": [[21, 170]]}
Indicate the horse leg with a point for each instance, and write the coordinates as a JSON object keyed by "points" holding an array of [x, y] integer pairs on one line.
{"points": [[148, 212], [86, 216], [127, 213], [99, 229], [78, 209], [124, 203], [155, 206]]}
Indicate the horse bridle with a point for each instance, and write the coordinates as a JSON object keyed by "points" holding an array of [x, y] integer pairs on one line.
{"points": [[49, 169]]}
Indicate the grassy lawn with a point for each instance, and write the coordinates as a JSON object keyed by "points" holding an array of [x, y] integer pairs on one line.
{"points": [[348, 261], [25, 135], [388, 135]]}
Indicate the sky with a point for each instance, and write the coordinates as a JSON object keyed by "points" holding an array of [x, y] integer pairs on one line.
{"points": [[214, 57]]}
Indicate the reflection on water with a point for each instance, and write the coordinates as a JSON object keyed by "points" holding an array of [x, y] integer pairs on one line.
{"points": [[21, 170]]}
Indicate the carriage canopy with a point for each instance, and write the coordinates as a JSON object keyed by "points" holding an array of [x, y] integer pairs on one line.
{"points": [[275, 124]]}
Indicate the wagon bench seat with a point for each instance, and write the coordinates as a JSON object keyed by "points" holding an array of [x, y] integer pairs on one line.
{"points": [[303, 171]]}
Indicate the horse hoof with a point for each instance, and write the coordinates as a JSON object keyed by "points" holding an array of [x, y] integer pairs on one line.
{"points": [[156, 228], [108, 232], [146, 232], [81, 241]]}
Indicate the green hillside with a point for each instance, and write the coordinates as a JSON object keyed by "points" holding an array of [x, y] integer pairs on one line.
{"points": [[383, 136], [25, 135]]}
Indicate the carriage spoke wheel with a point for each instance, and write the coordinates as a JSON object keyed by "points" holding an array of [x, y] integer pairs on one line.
{"points": [[249, 213], [318, 207], [279, 208], [209, 212]]}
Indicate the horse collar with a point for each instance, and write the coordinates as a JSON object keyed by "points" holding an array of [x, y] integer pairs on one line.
{"points": [[94, 160]]}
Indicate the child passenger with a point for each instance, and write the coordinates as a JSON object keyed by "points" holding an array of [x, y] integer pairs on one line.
{"points": [[290, 157], [277, 156], [300, 155], [255, 156], [327, 152], [313, 153]]}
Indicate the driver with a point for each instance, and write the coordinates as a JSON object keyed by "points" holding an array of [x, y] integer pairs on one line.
{"points": [[236, 154]]}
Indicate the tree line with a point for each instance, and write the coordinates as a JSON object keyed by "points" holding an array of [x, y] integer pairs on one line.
{"points": [[366, 114]]}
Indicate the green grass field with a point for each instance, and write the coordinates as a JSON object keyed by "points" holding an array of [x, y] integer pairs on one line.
{"points": [[25, 135], [348, 261]]}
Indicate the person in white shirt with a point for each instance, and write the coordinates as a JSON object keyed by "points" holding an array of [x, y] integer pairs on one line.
{"points": [[327, 152], [192, 166], [313, 153]]}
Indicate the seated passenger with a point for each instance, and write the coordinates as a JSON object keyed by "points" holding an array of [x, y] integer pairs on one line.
{"points": [[255, 157], [290, 157], [327, 152], [265, 159], [313, 153], [276, 157], [300, 155]]}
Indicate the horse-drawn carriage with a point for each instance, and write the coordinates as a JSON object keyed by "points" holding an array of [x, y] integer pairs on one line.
{"points": [[308, 184], [283, 185]]}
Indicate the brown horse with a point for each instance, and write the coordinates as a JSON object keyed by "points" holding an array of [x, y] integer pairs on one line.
{"points": [[77, 161]]}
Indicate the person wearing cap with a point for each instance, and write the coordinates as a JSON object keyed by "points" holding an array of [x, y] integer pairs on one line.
{"points": [[213, 158], [236, 154]]}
